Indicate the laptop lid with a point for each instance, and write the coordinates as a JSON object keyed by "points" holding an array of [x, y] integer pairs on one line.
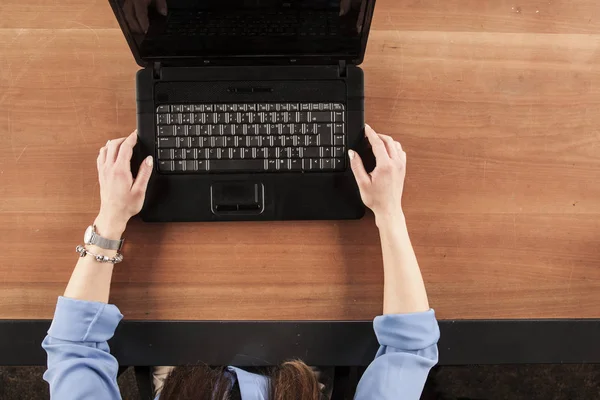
{"points": [[245, 32]]}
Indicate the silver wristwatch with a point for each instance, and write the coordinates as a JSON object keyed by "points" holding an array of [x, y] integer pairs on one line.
{"points": [[91, 237]]}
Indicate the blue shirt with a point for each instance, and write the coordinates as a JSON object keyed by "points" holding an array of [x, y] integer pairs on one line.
{"points": [[80, 365]]}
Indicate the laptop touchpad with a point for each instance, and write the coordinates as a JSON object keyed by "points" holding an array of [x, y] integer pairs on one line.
{"points": [[237, 198]]}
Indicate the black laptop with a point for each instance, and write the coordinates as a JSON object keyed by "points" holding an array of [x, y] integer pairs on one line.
{"points": [[249, 106]]}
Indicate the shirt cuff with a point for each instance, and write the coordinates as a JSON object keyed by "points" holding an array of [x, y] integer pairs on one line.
{"points": [[84, 321], [414, 331]]}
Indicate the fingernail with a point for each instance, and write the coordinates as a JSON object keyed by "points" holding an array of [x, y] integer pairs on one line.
{"points": [[149, 161], [107, 142], [163, 10], [351, 154], [368, 126]]}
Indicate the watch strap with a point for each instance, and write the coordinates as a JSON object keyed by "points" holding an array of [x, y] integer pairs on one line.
{"points": [[107, 244]]}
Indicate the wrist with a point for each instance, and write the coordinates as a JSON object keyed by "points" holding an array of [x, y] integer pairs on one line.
{"points": [[390, 221], [110, 228]]}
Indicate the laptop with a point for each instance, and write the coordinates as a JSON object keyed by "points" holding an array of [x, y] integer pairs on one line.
{"points": [[248, 107]]}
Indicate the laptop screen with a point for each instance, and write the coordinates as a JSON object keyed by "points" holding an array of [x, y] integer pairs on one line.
{"points": [[205, 29]]}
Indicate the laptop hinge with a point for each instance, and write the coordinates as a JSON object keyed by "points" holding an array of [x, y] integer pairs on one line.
{"points": [[342, 68], [156, 70]]}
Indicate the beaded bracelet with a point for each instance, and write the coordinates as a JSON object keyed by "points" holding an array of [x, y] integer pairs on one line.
{"points": [[99, 257]]}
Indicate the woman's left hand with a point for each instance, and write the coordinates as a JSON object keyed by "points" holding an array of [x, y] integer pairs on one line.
{"points": [[121, 196]]}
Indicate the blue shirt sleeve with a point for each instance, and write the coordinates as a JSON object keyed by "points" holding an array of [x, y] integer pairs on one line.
{"points": [[80, 365], [408, 350]]}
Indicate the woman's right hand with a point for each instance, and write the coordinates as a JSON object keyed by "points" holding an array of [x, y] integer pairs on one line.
{"points": [[381, 190]]}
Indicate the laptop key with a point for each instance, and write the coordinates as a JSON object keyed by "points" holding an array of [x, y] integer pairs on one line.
{"points": [[314, 164], [275, 129], [165, 130], [252, 141], [179, 130], [326, 152], [226, 154], [271, 165], [182, 142], [320, 116], [162, 119], [165, 154], [338, 164], [202, 164], [190, 154], [302, 117], [311, 140], [179, 166], [213, 153], [311, 152], [167, 142], [283, 165], [338, 128], [204, 141], [324, 139], [228, 129], [163, 109], [296, 165], [236, 154], [236, 165], [338, 152], [246, 153], [323, 128], [178, 154], [166, 166], [191, 165], [339, 140]]}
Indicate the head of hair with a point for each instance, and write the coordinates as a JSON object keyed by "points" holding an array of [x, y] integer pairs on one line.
{"points": [[292, 380]]}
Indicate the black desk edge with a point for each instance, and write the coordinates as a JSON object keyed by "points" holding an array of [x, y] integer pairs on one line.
{"points": [[323, 343]]}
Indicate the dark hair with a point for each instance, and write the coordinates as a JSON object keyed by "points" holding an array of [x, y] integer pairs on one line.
{"points": [[292, 380]]}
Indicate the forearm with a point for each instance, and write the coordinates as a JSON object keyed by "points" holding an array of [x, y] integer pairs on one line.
{"points": [[404, 290], [90, 279]]}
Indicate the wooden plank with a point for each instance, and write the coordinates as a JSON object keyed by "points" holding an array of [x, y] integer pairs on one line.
{"points": [[499, 118]]}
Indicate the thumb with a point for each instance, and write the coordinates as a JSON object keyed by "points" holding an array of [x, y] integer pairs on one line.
{"points": [[358, 169], [143, 176], [161, 6]]}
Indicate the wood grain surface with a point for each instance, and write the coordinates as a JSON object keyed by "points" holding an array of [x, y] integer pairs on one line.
{"points": [[496, 102]]}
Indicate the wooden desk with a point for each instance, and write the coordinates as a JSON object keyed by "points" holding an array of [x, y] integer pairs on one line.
{"points": [[497, 105]]}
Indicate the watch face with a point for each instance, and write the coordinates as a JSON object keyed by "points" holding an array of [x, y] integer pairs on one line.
{"points": [[87, 236]]}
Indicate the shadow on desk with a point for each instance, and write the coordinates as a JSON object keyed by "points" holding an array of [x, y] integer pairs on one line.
{"points": [[361, 251]]}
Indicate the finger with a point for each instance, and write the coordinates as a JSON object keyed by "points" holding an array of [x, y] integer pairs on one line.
{"points": [[344, 7], [130, 17], [390, 146], [141, 13], [113, 149], [126, 149], [358, 169], [161, 7], [101, 157], [143, 177], [377, 144]]}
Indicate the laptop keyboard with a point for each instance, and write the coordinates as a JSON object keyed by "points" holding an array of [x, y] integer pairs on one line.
{"points": [[251, 137]]}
